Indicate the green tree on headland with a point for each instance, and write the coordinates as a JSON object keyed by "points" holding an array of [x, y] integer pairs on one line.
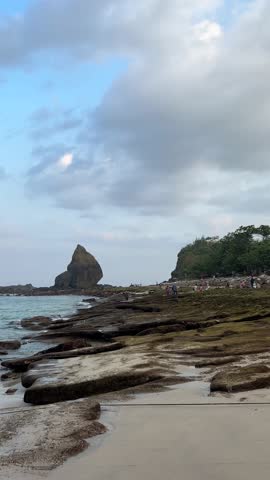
{"points": [[245, 251]]}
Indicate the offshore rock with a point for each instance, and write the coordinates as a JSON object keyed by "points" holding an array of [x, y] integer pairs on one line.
{"points": [[10, 345], [36, 323], [83, 272]]}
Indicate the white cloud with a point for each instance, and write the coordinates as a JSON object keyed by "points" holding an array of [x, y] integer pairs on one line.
{"points": [[207, 31], [188, 118], [179, 145], [65, 161]]}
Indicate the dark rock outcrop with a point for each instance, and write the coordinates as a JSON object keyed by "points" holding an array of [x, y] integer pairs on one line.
{"points": [[11, 391], [20, 365], [83, 272], [10, 345], [215, 362], [65, 347], [36, 323], [53, 393], [63, 281]]}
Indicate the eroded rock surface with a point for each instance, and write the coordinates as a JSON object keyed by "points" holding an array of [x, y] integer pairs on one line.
{"points": [[52, 381], [29, 444], [21, 365], [240, 379]]}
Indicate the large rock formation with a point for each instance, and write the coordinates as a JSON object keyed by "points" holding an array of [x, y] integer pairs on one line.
{"points": [[83, 272]]}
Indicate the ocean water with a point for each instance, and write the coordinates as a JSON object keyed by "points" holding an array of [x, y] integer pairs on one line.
{"points": [[14, 309]]}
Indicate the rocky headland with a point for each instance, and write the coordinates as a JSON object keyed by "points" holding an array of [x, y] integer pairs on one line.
{"points": [[130, 343], [243, 252]]}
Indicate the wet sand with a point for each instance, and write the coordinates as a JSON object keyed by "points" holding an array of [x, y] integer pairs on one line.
{"points": [[157, 436]]}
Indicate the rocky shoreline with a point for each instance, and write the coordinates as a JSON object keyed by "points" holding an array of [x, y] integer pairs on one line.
{"points": [[124, 347]]}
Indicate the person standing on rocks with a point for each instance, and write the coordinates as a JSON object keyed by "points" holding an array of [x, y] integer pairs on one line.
{"points": [[252, 281], [174, 291]]}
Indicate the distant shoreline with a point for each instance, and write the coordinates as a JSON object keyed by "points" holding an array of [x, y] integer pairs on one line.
{"points": [[96, 291]]}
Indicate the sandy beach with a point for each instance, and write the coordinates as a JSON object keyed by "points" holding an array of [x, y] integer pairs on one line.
{"points": [[181, 433], [207, 441]]}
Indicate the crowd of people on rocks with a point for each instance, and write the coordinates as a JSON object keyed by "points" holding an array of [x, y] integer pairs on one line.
{"points": [[252, 282], [203, 285], [172, 291]]}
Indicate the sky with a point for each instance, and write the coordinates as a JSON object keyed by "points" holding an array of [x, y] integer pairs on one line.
{"points": [[131, 128]]}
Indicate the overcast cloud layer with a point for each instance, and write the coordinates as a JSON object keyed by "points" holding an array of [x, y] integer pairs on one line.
{"points": [[183, 132], [194, 99]]}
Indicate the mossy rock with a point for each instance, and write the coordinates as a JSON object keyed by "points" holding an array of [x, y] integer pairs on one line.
{"points": [[241, 379]]}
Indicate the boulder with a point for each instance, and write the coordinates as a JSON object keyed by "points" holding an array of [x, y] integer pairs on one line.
{"points": [[9, 345], [36, 323], [83, 272], [9, 376], [11, 391]]}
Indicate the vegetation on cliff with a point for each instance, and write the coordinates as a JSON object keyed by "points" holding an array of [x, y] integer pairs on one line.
{"points": [[245, 251]]}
